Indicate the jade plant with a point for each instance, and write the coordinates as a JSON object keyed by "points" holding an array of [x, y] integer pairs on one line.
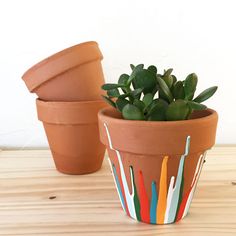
{"points": [[146, 94]]}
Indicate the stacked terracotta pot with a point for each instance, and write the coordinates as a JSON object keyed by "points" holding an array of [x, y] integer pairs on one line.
{"points": [[68, 85]]}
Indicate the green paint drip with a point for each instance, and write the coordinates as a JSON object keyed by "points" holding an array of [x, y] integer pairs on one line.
{"points": [[136, 199]]}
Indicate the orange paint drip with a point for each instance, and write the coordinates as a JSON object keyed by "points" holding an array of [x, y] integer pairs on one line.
{"points": [[161, 208]]}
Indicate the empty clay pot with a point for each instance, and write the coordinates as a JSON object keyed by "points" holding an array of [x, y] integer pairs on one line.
{"points": [[72, 133], [156, 165], [74, 74]]}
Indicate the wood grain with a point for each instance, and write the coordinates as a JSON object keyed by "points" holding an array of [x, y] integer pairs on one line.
{"points": [[37, 200]]}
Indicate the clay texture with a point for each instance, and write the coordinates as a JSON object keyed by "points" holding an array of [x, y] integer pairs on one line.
{"points": [[72, 133], [157, 187]]}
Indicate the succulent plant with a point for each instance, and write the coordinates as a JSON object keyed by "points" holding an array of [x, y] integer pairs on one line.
{"points": [[148, 95]]}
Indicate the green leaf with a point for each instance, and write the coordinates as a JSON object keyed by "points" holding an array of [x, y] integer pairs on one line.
{"points": [[113, 93], [152, 69], [168, 72], [136, 92], [169, 80], [123, 79], [147, 99], [158, 110], [109, 101], [112, 86], [125, 95], [190, 85], [120, 103], [177, 110], [174, 79], [165, 89], [196, 106], [146, 80], [131, 112], [134, 72], [139, 104], [203, 96], [178, 90], [132, 66]]}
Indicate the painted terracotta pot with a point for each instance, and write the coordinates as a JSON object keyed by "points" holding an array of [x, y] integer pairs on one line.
{"points": [[74, 74], [72, 133], [156, 165]]}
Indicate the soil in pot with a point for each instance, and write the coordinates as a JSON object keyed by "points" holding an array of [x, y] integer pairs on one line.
{"points": [[156, 165], [74, 74], [72, 133]]}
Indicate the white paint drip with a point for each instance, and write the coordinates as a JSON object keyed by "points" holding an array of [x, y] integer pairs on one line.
{"points": [[197, 175], [116, 184], [129, 197], [169, 198]]}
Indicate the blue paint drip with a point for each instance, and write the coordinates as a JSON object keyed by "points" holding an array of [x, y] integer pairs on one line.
{"points": [[154, 200], [118, 186]]}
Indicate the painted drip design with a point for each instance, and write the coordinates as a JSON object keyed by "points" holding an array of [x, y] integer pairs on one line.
{"points": [[167, 206]]}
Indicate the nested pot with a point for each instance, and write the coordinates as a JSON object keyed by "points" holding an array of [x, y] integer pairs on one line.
{"points": [[74, 74], [72, 133], [156, 164]]}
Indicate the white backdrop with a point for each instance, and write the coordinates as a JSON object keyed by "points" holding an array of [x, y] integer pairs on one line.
{"points": [[189, 36]]}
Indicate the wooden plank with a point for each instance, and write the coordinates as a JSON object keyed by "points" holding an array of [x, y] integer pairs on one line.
{"points": [[37, 200]]}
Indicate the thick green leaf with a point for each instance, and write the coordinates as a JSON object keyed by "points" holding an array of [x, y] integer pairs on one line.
{"points": [[155, 89], [113, 93], [190, 85], [165, 89], [125, 95], [136, 92], [131, 112], [177, 110], [139, 104], [196, 106], [203, 96], [112, 86], [147, 99], [174, 79], [169, 80], [132, 66], [123, 79], [120, 103], [157, 100], [109, 101], [158, 110], [146, 80], [168, 72], [152, 69], [178, 90], [134, 72]]}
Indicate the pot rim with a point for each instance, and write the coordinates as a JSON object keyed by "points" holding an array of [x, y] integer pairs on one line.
{"points": [[212, 115], [157, 137], [52, 65], [57, 104], [81, 112]]}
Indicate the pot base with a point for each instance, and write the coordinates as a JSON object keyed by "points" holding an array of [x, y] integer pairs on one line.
{"points": [[74, 166]]}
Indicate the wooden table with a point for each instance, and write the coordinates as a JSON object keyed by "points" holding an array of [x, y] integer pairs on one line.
{"points": [[37, 200]]}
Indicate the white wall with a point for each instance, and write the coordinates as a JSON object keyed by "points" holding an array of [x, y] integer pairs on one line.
{"points": [[190, 36]]}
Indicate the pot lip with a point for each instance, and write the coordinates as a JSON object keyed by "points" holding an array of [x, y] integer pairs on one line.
{"points": [[101, 114], [56, 55], [69, 113], [51, 66], [58, 104]]}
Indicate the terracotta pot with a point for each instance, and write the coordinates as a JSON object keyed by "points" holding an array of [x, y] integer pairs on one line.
{"points": [[74, 74], [72, 132], [156, 165]]}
